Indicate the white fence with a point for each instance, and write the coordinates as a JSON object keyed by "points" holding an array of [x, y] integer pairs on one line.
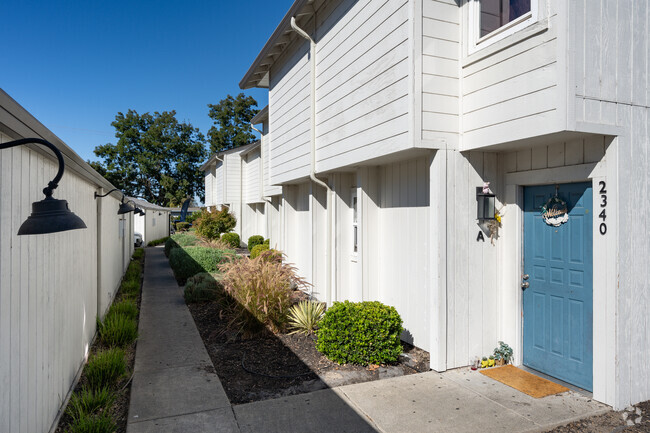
{"points": [[52, 286]]}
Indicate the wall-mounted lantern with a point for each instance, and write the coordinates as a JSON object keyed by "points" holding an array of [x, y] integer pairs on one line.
{"points": [[485, 203], [124, 208], [49, 215]]}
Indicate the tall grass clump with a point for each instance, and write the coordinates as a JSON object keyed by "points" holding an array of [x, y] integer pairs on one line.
{"points": [[99, 423], [125, 307], [105, 368], [89, 401], [262, 290], [189, 261], [138, 254], [118, 330]]}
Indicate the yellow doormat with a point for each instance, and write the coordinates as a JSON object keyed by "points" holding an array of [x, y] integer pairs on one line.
{"points": [[523, 381]]}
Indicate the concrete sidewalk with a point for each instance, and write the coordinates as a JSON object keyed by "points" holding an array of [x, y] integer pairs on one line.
{"points": [[174, 385], [175, 389]]}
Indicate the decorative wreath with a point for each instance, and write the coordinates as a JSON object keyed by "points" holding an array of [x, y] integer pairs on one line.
{"points": [[555, 212]]}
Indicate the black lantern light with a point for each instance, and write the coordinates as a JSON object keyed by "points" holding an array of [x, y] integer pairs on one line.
{"points": [[485, 204], [49, 215], [125, 207]]}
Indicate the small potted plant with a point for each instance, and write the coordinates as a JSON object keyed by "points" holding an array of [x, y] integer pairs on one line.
{"points": [[484, 362], [498, 360], [491, 361], [504, 352]]}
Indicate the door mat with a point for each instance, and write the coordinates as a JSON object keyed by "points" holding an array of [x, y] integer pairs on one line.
{"points": [[523, 381]]}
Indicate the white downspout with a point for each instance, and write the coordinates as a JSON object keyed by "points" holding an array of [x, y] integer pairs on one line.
{"points": [[312, 172]]}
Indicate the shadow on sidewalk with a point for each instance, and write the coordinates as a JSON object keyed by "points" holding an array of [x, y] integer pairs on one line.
{"points": [[258, 367]]}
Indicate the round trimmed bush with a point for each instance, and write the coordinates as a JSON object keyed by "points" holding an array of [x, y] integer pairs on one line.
{"points": [[360, 333], [255, 240], [257, 250], [189, 261], [202, 287], [231, 239]]}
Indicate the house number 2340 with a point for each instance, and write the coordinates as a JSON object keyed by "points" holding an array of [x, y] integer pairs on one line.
{"points": [[603, 205]]}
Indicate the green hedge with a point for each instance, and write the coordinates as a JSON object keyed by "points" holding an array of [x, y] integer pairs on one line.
{"points": [[189, 261], [360, 333], [179, 240], [158, 241], [257, 250]]}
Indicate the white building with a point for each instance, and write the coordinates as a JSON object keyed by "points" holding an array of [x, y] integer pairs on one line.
{"points": [[52, 286], [154, 224], [382, 128]]}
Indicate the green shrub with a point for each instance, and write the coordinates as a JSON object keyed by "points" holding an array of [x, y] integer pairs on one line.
{"points": [[262, 291], [100, 423], [126, 307], [210, 225], [267, 242], [192, 217], [89, 401], [201, 287], [105, 368], [232, 239], [189, 261], [257, 250], [304, 317], [157, 242], [255, 240], [118, 330], [182, 226], [360, 333]]}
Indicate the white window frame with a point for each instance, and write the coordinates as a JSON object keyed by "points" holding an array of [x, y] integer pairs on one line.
{"points": [[355, 247], [477, 42]]}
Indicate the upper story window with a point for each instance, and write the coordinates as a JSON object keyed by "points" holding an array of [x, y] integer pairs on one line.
{"points": [[493, 20], [495, 14]]}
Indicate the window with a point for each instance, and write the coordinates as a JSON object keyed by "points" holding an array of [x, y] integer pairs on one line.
{"points": [[355, 222], [495, 14]]}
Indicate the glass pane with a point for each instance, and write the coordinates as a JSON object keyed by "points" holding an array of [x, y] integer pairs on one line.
{"points": [[355, 239], [498, 13], [354, 209]]}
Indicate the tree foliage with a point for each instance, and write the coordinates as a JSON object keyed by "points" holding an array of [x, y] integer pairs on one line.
{"points": [[156, 157], [232, 118]]}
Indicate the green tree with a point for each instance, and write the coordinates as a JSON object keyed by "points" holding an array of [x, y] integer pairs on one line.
{"points": [[232, 118], [156, 157]]}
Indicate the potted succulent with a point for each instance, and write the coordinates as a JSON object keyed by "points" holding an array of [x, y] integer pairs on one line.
{"points": [[504, 353], [484, 362], [491, 361], [498, 360]]}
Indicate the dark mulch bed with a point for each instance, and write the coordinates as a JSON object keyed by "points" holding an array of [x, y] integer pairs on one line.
{"points": [[271, 366]]}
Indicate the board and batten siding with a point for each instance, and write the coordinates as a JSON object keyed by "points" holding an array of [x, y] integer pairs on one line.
{"points": [[49, 286], [440, 70], [611, 77], [252, 176], [515, 88], [362, 82]]}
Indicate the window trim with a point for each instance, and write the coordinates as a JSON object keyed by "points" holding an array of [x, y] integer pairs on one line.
{"points": [[477, 42]]}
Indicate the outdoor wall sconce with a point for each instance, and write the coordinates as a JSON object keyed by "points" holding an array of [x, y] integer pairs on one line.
{"points": [[49, 215], [124, 207], [485, 205]]}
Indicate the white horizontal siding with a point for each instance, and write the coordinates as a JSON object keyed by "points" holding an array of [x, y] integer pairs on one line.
{"points": [[289, 114], [440, 68], [233, 186], [268, 188], [219, 180], [208, 179], [513, 93], [362, 84]]}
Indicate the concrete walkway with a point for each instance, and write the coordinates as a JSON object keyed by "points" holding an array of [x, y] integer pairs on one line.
{"points": [[175, 389]]}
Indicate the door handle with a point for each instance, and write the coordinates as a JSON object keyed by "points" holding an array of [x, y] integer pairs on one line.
{"points": [[525, 277], [525, 285]]}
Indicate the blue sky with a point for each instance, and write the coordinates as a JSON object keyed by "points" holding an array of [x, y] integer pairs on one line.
{"points": [[75, 64]]}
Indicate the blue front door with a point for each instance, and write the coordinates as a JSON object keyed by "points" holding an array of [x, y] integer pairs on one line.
{"points": [[558, 304]]}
